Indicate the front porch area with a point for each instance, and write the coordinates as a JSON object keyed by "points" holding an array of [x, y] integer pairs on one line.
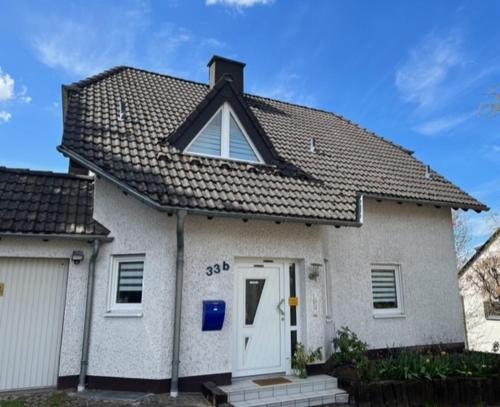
{"points": [[290, 391]]}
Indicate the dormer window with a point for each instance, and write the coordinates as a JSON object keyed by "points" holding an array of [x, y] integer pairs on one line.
{"points": [[223, 136]]}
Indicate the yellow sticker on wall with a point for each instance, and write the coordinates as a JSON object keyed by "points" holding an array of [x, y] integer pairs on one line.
{"points": [[2, 285], [293, 301]]}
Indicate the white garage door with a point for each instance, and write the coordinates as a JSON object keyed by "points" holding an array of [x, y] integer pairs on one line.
{"points": [[31, 315]]}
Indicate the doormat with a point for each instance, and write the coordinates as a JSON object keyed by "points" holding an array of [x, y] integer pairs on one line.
{"points": [[271, 381]]}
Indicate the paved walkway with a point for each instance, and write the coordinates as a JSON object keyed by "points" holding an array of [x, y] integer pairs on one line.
{"points": [[67, 399]]}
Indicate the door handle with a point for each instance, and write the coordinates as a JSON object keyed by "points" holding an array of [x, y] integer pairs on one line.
{"points": [[278, 307]]}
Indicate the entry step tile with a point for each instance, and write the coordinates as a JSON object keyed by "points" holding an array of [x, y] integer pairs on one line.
{"points": [[310, 399], [246, 390]]}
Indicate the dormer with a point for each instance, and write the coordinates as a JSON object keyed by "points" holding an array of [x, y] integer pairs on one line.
{"points": [[222, 126], [224, 137]]}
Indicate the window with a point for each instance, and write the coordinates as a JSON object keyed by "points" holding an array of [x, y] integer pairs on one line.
{"points": [[386, 290], [126, 285], [253, 292], [492, 310], [223, 136]]}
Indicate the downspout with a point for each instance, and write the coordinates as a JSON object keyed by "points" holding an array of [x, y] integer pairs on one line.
{"points": [[88, 315], [179, 276]]}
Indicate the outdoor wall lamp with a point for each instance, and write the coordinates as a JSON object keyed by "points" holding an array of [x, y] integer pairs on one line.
{"points": [[77, 256], [314, 273]]}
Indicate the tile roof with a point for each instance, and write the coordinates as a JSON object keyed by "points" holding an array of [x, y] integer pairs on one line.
{"points": [[479, 251], [320, 187], [38, 202]]}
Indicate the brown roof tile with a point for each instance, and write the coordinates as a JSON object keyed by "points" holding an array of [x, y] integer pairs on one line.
{"points": [[46, 203], [324, 186]]}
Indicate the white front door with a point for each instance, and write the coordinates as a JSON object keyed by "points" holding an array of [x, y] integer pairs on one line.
{"points": [[260, 320]]}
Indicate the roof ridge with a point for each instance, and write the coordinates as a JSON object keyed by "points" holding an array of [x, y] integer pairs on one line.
{"points": [[116, 69], [95, 78], [479, 251], [167, 76], [45, 173]]}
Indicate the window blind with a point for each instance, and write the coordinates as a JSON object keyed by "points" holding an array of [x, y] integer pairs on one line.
{"points": [[209, 141], [130, 276], [384, 289], [239, 148]]}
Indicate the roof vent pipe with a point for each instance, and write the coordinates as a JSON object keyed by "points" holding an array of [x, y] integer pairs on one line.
{"points": [[312, 146], [220, 66], [428, 172], [122, 111]]}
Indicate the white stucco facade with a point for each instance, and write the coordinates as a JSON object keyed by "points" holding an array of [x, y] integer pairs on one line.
{"points": [[420, 240], [417, 238], [482, 332]]}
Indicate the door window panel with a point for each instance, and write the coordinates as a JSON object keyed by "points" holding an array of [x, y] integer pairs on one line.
{"points": [[253, 292]]}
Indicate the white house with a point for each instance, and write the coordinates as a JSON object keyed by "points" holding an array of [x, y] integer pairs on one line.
{"points": [[482, 319], [289, 221]]}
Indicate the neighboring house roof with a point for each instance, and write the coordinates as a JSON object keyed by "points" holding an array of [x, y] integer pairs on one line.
{"points": [[325, 187], [47, 203], [479, 251]]}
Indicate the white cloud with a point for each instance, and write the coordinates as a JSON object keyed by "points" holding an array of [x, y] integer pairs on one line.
{"points": [[23, 95], [287, 86], [6, 86], [8, 95], [4, 116], [86, 45], [238, 3], [83, 48], [428, 66], [442, 124]]}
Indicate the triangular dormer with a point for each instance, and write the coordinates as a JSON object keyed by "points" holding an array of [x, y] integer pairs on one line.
{"points": [[224, 137], [222, 126]]}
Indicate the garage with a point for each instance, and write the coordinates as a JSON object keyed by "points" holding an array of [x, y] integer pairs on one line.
{"points": [[32, 297], [46, 231]]}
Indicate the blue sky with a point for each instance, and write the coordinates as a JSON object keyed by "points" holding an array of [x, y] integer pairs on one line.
{"points": [[414, 72]]}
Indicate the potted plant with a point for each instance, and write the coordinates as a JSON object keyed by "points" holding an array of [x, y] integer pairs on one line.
{"points": [[302, 357]]}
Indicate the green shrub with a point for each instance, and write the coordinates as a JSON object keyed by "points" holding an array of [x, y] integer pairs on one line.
{"points": [[410, 364], [302, 357], [413, 365], [350, 350]]}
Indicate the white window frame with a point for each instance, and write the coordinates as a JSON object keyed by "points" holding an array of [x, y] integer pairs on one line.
{"points": [[389, 312], [123, 309], [227, 112]]}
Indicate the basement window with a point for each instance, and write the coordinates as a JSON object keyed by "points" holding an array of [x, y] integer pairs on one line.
{"points": [[224, 137], [126, 284], [386, 291]]}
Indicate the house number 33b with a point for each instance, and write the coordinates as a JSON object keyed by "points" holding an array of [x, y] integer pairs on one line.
{"points": [[216, 268]]}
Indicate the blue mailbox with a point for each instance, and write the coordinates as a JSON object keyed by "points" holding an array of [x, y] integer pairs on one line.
{"points": [[213, 315]]}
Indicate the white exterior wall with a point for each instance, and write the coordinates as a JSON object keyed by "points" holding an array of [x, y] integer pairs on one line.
{"points": [[71, 344], [213, 241], [481, 332], [133, 347], [417, 238], [141, 347], [420, 240]]}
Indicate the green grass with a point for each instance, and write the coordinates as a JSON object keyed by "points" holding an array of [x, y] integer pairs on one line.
{"points": [[12, 403], [55, 400]]}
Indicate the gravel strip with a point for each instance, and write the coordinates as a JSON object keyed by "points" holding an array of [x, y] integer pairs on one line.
{"points": [[66, 399]]}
